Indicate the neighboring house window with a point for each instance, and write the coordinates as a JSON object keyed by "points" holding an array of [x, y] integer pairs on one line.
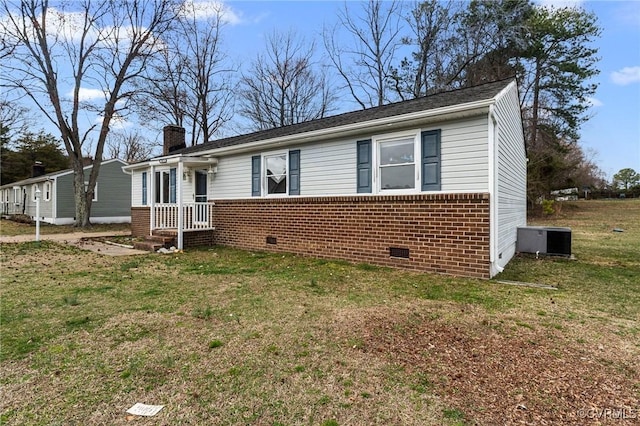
{"points": [[401, 162], [144, 188], [47, 191], [17, 195], [34, 189], [165, 186], [95, 191]]}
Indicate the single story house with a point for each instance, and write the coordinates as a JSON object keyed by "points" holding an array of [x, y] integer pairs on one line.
{"points": [[111, 199], [434, 184]]}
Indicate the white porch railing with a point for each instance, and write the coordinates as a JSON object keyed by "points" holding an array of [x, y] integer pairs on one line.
{"points": [[195, 216]]}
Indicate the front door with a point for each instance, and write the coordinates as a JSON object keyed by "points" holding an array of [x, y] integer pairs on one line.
{"points": [[201, 196]]}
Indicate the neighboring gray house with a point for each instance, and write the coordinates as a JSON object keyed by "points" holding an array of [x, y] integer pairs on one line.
{"points": [[434, 184], [111, 202]]}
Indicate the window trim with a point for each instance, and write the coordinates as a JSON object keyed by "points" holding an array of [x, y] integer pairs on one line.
{"points": [[34, 188], [376, 141], [17, 195], [95, 191], [46, 190], [263, 173]]}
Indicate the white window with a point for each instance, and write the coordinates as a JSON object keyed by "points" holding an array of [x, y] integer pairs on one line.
{"points": [[275, 174], [17, 195], [95, 191], [34, 189], [395, 155], [47, 191]]}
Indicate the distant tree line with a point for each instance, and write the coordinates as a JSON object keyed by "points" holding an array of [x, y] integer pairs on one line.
{"points": [[165, 61]]}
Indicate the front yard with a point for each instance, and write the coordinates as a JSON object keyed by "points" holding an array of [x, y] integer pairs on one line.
{"points": [[223, 336]]}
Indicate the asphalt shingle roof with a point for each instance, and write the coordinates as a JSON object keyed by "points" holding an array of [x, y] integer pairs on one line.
{"points": [[439, 100]]}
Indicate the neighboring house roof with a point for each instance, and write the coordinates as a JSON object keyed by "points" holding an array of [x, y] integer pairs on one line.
{"points": [[440, 100], [52, 175]]}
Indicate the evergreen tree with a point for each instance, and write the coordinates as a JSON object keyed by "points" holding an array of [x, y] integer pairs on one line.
{"points": [[28, 149]]}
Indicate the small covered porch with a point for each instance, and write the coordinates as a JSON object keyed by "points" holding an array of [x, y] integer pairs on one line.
{"points": [[177, 189]]}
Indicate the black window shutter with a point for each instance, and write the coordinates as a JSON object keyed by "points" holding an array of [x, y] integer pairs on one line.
{"points": [[431, 160], [294, 172], [255, 176], [364, 167]]}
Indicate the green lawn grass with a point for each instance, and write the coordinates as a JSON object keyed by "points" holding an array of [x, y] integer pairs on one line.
{"points": [[11, 228], [224, 336]]}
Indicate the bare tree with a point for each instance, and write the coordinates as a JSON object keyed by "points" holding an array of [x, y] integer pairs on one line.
{"points": [[81, 57], [130, 147], [458, 44], [365, 61], [283, 85], [433, 37], [190, 84], [15, 118]]}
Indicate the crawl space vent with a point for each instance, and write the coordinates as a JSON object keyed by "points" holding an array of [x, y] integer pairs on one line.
{"points": [[272, 240], [399, 252]]}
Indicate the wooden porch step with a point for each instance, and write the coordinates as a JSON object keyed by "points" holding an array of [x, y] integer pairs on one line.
{"points": [[147, 245], [159, 239]]}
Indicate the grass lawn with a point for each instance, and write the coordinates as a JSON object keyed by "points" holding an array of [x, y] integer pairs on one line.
{"points": [[223, 336], [11, 228]]}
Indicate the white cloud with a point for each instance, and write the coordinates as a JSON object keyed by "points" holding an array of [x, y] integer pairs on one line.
{"points": [[594, 102], [559, 4], [85, 94], [626, 75], [205, 9]]}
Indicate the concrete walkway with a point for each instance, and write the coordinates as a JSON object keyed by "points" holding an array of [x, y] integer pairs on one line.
{"points": [[81, 240]]}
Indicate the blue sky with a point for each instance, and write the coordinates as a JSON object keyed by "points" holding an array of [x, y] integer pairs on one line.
{"points": [[613, 132]]}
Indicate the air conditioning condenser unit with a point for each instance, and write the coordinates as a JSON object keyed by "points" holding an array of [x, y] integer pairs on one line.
{"points": [[544, 240]]}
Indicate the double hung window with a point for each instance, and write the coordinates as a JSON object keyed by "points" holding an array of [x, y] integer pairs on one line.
{"points": [[401, 162], [275, 174], [396, 162]]}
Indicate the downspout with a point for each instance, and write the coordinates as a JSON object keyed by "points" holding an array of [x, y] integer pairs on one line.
{"points": [[495, 268]]}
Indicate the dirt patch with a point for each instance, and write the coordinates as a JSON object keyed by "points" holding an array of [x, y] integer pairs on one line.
{"points": [[527, 375]]}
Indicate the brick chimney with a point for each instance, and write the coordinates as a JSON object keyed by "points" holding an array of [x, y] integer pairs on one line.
{"points": [[37, 169], [174, 139]]}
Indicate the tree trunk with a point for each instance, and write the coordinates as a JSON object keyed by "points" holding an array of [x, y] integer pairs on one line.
{"points": [[81, 198]]}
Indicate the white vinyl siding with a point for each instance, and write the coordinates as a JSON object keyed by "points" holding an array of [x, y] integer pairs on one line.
{"points": [[325, 169], [328, 169], [233, 179], [511, 174], [465, 155]]}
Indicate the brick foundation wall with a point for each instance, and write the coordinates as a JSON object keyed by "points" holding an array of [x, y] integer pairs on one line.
{"points": [[140, 220], [197, 239], [445, 233]]}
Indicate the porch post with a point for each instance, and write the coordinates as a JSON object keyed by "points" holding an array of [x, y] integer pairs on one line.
{"points": [[180, 207], [151, 180]]}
